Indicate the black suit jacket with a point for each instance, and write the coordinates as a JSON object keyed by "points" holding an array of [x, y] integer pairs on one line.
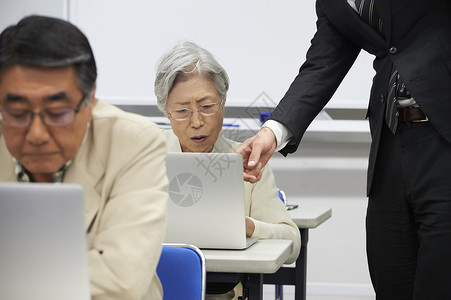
{"points": [[416, 40]]}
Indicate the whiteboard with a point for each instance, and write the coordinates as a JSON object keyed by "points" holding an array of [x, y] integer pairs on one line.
{"points": [[260, 43], [11, 11]]}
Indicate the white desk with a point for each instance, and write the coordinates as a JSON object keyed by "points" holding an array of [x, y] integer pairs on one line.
{"points": [[265, 256], [309, 216], [262, 263], [305, 217], [248, 265]]}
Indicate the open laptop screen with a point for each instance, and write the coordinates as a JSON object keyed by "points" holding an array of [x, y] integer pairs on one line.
{"points": [[206, 200], [43, 252]]}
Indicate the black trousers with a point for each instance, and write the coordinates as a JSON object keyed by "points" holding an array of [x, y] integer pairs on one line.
{"points": [[409, 215]]}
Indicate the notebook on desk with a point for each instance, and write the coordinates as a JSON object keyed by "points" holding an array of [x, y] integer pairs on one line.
{"points": [[206, 200], [43, 252]]}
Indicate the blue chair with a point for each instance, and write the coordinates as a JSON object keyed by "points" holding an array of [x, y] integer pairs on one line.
{"points": [[182, 272]]}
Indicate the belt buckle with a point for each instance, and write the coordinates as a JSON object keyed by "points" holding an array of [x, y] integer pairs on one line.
{"points": [[422, 120]]}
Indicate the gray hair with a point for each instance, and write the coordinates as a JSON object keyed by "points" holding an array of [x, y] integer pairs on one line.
{"points": [[182, 61]]}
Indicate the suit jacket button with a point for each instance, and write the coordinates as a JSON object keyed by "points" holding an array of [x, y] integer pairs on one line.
{"points": [[382, 99], [393, 50]]}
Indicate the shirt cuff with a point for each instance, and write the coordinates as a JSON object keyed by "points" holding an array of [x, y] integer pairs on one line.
{"points": [[283, 135]]}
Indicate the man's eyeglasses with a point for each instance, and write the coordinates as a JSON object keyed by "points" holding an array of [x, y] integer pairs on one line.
{"points": [[53, 117], [207, 110]]}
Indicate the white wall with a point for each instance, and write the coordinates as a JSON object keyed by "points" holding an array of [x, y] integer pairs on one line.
{"points": [[11, 11], [261, 43]]}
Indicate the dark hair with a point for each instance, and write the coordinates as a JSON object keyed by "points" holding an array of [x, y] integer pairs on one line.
{"points": [[48, 42]]}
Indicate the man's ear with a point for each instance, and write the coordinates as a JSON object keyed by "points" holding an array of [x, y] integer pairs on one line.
{"points": [[93, 101], [93, 94]]}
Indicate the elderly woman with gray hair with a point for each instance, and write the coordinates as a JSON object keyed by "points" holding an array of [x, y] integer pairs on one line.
{"points": [[191, 88]]}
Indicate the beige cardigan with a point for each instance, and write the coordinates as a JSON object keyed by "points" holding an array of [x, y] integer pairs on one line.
{"points": [[262, 203], [121, 166]]}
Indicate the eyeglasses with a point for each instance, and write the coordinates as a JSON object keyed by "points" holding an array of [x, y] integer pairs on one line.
{"points": [[207, 110], [53, 117]]}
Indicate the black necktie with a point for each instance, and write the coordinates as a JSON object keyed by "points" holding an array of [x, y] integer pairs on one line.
{"points": [[368, 12], [391, 109]]}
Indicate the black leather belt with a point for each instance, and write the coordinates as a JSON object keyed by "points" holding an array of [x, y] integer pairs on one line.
{"points": [[412, 114]]}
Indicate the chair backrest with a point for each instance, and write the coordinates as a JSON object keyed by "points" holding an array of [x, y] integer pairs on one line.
{"points": [[182, 273]]}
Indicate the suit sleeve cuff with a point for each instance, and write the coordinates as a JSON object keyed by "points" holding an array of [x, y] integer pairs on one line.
{"points": [[283, 135]]}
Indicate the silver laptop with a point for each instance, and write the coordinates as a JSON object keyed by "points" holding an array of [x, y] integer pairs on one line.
{"points": [[206, 200], [43, 251]]}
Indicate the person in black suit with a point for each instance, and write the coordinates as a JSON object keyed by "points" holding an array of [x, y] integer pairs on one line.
{"points": [[409, 174]]}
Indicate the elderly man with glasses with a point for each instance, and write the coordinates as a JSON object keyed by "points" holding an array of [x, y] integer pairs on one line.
{"points": [[52, 129]]}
